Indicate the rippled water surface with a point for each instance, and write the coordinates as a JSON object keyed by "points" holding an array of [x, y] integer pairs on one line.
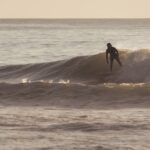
{"points": [[33, 41]]}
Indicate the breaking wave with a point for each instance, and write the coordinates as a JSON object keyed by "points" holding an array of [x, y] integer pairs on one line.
{"points": [[84, 69], [85, 78]]}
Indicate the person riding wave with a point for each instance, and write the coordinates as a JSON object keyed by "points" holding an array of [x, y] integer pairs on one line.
{"points": [[114, 54]]}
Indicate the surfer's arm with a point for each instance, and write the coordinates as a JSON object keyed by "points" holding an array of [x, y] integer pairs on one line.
{"points": [[107, 56]]}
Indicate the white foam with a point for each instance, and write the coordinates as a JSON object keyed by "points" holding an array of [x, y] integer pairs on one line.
{"points": [[25, 80]]}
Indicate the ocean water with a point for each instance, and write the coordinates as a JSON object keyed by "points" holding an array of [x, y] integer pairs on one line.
{"points": [[57, 91], [39, 40]]}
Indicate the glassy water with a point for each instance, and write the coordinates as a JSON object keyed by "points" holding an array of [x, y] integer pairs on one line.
{"points": [[38, 40]]}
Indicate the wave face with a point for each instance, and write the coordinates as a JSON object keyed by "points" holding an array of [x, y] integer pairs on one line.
{"points": [[84, 69], [86, 79]]}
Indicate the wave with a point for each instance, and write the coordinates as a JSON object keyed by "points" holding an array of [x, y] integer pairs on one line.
{"points": [[90, 69], [84, 81], [75, 95]]}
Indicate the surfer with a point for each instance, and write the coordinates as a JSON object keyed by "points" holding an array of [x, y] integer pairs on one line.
{"points": [[113, 52]]}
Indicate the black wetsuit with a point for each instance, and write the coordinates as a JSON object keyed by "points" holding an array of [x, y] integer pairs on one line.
{"points": [[113, 55]]}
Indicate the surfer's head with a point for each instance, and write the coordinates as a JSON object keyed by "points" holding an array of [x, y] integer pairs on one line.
{"points": [[109, 45]]}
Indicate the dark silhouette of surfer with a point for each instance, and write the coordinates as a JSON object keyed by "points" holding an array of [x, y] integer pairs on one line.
{"points": [[114, 54]]}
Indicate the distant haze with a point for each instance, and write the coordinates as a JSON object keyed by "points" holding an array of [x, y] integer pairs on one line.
{"points": [[74, 9]]}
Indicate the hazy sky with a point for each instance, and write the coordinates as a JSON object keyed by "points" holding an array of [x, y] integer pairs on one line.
{"points": [[74, 8]]}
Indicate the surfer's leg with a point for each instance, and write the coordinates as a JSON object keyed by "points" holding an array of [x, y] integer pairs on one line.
{"points": [[118, 60], [111, 63]]}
